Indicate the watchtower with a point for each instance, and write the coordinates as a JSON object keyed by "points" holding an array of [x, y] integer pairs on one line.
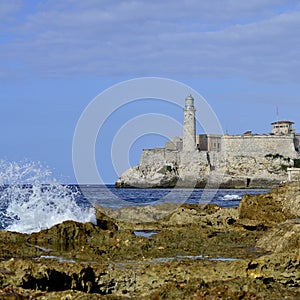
{"points": [[189, 125], [283, 127]]}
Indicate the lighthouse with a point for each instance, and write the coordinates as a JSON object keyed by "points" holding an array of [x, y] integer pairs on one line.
{"points": [[189, 125]]}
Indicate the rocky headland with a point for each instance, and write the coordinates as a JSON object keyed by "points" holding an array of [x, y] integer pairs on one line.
{"points": [[163, 252], [159, 169]]}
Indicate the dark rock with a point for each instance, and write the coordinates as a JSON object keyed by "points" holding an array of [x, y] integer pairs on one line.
{"points": [[255, 227], [49, 280], [105, 222]]}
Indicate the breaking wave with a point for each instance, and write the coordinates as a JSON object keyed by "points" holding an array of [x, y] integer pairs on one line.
{"points": [[32, 200]]}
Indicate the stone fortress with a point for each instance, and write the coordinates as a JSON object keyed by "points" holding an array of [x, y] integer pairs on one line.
{"points": [[210, 160]]}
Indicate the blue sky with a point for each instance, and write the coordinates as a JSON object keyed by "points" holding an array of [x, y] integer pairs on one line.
{"points": [[56, 56]]}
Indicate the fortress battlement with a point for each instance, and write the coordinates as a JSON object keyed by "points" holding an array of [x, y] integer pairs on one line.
{"points": [[287, 144]]}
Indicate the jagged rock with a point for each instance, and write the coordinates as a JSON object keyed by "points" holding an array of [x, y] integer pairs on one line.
{"points": [[284, 237], [172, 214], [196, 169], [237, 288], [137, 178], [280, 204], [281, 268], [202, 215], [138, 214], [67, 234], [197, 251], [105, 222], [55, 276], [13, 244]]}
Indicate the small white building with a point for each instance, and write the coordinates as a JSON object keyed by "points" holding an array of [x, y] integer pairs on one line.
{"points": [[283, 127], [293, 174]]}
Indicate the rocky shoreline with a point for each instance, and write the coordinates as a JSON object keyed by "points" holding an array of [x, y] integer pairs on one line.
{"points": [[163, 252]]}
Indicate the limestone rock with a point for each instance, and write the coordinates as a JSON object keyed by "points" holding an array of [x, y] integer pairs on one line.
{"points": [[196, 169], [280, 204], [138, 214], [283, 238], [66, 234], [281, 268], [54, 276], [105, 222], [13, 244], [196, 251], [151, 177]]}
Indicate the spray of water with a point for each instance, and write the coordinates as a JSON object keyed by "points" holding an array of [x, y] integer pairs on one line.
{"points": [[31, 199]]}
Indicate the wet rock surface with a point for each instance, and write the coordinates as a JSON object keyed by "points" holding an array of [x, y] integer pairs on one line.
{"points": [[193, 252]]}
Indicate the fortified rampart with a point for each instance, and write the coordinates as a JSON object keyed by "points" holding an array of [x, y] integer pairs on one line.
{"points": [[230, 146], [259, 145], [159, 156]]}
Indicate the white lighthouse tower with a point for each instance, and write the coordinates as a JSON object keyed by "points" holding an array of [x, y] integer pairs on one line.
{"points": [[189, 126]]}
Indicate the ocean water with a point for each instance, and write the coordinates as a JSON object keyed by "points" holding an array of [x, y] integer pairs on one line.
{"points": [[32, 200], [109, 196], [32, 207]]}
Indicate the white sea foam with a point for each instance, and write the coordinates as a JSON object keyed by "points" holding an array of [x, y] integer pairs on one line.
{"points": [[31, 199], [231, 197]]}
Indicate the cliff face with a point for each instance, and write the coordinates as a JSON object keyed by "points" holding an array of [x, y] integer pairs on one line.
{"points": [[234, 172], [259, 162]]}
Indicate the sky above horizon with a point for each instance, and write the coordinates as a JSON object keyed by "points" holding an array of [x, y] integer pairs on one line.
{"points": [[56, 56]]}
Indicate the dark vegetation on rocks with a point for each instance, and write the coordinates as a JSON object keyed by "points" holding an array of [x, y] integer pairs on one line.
{"points": [[195, 252]]}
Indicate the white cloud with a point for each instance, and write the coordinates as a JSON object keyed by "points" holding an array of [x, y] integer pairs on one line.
{"points": [[257, 39]]}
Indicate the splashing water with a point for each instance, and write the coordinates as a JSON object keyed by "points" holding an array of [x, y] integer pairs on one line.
{"points": [[31, 199]]}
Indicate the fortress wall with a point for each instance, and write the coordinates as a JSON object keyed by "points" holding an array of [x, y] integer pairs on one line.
{"points": [[259, 145], [216, 159], [158, 157], [171, 157], [152, 157], [193, 164], [170, 146]]}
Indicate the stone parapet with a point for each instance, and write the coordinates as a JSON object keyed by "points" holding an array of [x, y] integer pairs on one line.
{"points": [[259, 145]]}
